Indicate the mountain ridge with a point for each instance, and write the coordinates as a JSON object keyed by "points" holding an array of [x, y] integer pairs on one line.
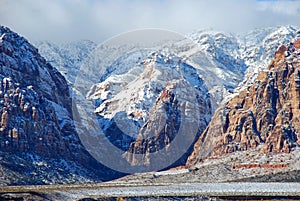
{"points": [[37, 132], [265, 113], [133, 94], [226, 63]]}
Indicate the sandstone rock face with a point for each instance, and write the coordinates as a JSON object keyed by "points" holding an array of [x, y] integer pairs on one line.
{"points": [[31, 92], [178, 113], [143, 112], [174, 115], [35, 111], [128, 100], [265, 115]]}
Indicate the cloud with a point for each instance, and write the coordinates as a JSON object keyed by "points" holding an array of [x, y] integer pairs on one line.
{"points": [[98, 20], [281, 7]]}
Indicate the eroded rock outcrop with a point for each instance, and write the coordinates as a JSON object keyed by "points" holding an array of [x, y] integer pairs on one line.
{"points": [[265, 115], [36, 118], [179, 114], [145, 111], [31, 92]]}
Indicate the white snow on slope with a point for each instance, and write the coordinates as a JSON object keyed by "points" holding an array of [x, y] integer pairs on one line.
{"points": [[226, 63]]}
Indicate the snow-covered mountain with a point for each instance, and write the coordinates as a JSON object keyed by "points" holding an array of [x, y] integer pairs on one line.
{"points": [[132, 102], [128, 88], [235, 60], [263, 117], [68, 57], [224, 61], [38, 140], [259, 46], [142, 99], [180, 109], [125, 82]]}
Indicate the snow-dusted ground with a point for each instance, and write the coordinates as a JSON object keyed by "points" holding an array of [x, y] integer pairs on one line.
{"points": [[167, 190], [209, 189], [176, 190], [171, 172]]}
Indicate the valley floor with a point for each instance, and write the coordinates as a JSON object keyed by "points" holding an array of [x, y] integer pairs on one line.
{"points": [[193, 191], [249, 175]]}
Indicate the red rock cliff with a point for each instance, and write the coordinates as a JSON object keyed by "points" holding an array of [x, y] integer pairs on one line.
{"points": [[267, 113]]}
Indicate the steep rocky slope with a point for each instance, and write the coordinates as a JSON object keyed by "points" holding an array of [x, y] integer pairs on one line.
{"points": [[37, 134], [257, 49], [181, 111], [224, 61], [125, 84], [264, 116], [68, 57], [29, 88], [152, 105], [230, 62]]}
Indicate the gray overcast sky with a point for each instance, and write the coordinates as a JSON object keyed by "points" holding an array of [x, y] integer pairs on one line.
{"points": [[97, 20]]}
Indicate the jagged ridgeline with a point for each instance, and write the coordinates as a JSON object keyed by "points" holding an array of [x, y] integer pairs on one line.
{"points": [[148, 92], [264, 116], [134, 91], [36, 119], [31, 91]]}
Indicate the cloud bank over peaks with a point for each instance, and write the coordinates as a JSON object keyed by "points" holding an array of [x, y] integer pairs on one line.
{"points": [[97, 20]]}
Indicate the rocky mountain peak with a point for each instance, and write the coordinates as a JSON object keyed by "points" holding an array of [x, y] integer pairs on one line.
{"points": [[179, 115], [153, 94], [36, 119], [133, 88], [258, 48], [264, 116], [29, 86], [66, 57], [22, 63]]}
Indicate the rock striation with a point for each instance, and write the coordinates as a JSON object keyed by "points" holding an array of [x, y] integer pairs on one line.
{"points": [[31, 93], [133, 91], [263, 116], [175, 114], [144, 112], [35, 116]]}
